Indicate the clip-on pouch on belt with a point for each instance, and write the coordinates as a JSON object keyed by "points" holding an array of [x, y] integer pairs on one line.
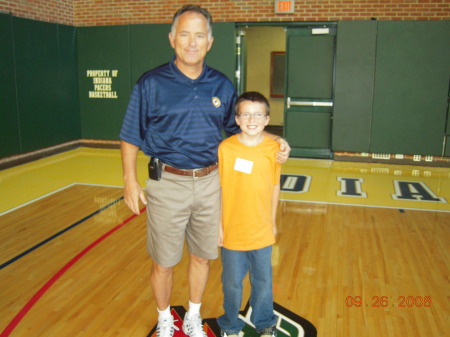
{"points": [[154, 168]]}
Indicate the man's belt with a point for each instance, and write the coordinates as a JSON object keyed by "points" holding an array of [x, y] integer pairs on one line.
{"points": [[196, 173]]}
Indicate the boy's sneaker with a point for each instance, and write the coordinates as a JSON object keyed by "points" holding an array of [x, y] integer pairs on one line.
{"points": [[166, 327], [224, 334], [193, 326], [271, 331]]}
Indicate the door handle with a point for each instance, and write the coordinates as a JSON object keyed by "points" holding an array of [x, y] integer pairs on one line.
{"points": [[307, 103]]}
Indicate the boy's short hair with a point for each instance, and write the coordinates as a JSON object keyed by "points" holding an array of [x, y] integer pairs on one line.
{"points": [[192, 8], [252, 96]]}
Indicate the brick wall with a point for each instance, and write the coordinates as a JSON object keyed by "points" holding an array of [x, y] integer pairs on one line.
{"points": [[57, 11], [118, 12]]}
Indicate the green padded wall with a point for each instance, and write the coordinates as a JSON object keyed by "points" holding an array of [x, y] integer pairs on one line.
{"points": [[40, 85], [69, 110], [101, 51], [9, 126], [149, 48], [36, 52], [354, 84], [45, 100], [447, 131], [411, 86], [222, 55]]}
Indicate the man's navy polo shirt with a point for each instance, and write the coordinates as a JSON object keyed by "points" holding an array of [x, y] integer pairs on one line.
{"points": [[180, 120]]}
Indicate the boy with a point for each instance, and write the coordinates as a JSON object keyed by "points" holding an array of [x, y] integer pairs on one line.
{"points": [[250, 180]]}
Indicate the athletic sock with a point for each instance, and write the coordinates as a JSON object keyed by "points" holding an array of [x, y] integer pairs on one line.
{"points": [[163, 314], [194, 309]]}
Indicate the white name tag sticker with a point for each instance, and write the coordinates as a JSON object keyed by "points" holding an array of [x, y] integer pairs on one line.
{"points": [[243, 165]]}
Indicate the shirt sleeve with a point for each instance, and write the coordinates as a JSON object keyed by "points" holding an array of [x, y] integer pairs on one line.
{"points": [[134, 123]]}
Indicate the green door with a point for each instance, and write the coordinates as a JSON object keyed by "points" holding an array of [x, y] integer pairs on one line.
{"points": [[309, 76]]}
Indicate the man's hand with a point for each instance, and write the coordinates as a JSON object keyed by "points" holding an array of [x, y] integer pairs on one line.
{"points": [[220, 243], [285, 150], [133, 193], [132, 190]]}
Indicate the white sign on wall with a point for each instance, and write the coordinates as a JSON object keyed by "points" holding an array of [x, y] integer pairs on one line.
{"points": [[102, 81]]}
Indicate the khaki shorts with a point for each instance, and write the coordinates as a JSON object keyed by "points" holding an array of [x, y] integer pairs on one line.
{"points": [[179, 208]]}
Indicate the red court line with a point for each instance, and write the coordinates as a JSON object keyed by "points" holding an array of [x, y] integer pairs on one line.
{"points": [[16, 320]]}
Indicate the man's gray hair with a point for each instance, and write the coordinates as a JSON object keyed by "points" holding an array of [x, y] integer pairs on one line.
{"points": [[196, 9]]}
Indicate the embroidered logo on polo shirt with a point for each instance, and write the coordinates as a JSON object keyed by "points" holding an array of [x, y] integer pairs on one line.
{"points": [[216, 101]]}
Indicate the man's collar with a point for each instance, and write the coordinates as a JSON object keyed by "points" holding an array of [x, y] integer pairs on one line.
{"points": [[182, 77]]}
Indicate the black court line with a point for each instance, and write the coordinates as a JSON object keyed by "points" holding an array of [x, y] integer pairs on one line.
{"points": [[7, 263]]}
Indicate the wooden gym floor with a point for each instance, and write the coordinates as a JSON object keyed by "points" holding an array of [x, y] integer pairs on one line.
{"points": [[362, 250]]}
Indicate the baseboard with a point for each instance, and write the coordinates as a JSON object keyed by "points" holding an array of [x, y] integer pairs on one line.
{"points": [[396, 159], [24, 158], [416, 160]]}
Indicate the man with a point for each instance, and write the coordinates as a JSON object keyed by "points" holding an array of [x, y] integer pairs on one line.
{"points": [[176, 114]]}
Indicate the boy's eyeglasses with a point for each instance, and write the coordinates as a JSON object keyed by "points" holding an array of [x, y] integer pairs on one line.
{"points": [[257, 116]]}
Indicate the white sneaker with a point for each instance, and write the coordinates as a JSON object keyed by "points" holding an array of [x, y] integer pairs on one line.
{"points": [[166, 327], [193, 327]]}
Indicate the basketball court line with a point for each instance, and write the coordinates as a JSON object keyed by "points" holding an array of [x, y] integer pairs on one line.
{"points": [[27, 307], [36, 297], [51, 193], [285, 195], [54, 236], [399, 208], [309, 180]]}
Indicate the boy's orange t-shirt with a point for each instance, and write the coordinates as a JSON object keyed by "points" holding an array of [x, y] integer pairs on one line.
{"points": [[248, 175]]}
